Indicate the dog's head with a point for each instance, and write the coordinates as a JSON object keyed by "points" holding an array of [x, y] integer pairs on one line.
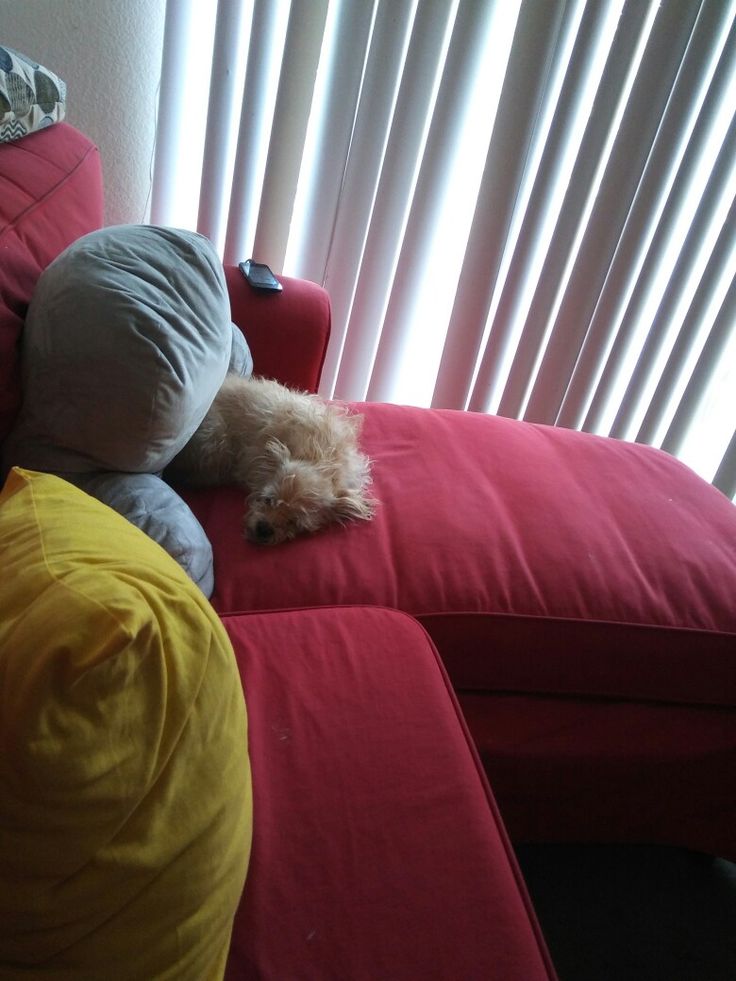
{"points": [[300, 496]]}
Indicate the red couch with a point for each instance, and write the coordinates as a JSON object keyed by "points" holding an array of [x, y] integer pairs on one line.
{"points": [[378, 850], [581, 593]]}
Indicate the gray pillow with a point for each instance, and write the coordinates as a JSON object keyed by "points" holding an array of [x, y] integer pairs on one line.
{"points": [[148, 502], [127, 340]]}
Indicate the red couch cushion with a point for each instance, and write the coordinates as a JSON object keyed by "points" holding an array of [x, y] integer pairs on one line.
{"points": [[50, 194], [539, 559], [377, 848]]}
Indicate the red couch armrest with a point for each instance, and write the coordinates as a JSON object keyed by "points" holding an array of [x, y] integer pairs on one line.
{"points": [[287, 332]]}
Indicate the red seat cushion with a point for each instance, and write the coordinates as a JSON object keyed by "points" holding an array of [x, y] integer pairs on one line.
{"points": [[50, 194], [539, 559], [377, 848]]}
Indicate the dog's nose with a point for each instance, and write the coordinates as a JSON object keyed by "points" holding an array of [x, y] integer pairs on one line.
{"points": [[264, 531]]}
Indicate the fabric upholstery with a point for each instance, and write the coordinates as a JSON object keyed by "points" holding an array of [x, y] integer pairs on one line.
{"points": [[125, 800], [378, 851], [613, 770], [580, 593]]}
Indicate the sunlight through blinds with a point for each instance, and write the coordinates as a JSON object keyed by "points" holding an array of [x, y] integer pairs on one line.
{"points": [[516, 207]]}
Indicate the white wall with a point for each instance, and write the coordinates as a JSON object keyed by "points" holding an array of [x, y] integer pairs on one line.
{"points": [[109, 54]]}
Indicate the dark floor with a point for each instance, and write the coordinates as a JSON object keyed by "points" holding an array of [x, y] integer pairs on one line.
{"points": [[634, 913]]}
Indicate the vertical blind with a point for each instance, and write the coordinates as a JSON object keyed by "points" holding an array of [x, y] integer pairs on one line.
{"points": [[523, 207]]}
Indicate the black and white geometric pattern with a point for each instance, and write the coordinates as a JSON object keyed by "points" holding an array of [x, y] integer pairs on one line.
{"points": [[31, 96]]}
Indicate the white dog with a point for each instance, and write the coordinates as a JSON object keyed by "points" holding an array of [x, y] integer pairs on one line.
{"points": [[296, 454]]}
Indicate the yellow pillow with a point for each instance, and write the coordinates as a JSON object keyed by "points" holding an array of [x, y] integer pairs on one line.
{"points": [[125, 797]]}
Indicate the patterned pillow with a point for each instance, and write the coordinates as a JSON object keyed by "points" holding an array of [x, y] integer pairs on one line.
{"points": [[31, 96]]}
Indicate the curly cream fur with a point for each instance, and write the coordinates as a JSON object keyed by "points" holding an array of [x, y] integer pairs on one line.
{"points": [[296, 454]]}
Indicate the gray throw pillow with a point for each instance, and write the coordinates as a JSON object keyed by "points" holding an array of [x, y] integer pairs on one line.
{"points": [[127, 340]]}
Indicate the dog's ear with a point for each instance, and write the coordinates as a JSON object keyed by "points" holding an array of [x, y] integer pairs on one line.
{"points": [[276, 452], [353, 507], [356, 422], [262, 468]]}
